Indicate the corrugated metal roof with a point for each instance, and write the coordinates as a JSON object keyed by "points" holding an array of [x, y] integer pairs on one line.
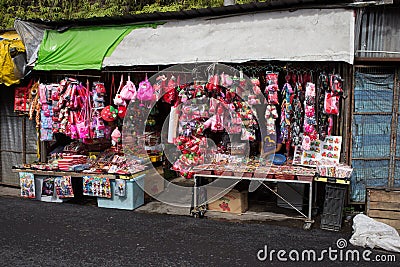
{"points": [[194, 13], [378, 33]]}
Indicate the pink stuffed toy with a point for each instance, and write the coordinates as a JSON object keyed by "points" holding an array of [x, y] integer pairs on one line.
{"points": [[115, 136], [145, 91], [128, 92]]}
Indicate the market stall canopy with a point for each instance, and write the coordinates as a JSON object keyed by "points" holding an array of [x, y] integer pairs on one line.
{"points": [[11, 47], [302, 35], [77, 48], [80, 48]]}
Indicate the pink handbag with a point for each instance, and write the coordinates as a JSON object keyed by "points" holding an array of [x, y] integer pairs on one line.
{"points": [[128, 92], [83, 127]]}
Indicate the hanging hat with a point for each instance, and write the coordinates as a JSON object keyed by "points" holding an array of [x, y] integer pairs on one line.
{"points": [[109, 113], [121, 111]]}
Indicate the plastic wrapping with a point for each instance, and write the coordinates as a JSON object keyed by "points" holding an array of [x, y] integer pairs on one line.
{"points": [[373, 234]]}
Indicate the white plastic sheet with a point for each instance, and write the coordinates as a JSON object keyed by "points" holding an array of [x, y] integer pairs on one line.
{"points": [[302, 35], [368, 232]]}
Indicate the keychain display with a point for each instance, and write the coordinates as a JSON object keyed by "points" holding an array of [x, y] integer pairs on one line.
{"points": [[271, 115], [272, 88]]}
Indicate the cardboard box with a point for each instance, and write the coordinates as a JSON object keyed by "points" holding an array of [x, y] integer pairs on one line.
{"points": [[232, 202], [153, 184]]}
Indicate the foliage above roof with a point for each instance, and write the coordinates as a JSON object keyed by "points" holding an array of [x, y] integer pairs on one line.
{"points": [[70, 10]]}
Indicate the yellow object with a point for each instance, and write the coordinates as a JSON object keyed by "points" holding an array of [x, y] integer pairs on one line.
{"points": [[10, 40], [93, 154]]}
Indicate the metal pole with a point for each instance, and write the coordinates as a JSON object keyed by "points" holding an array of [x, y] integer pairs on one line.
{"points": [[393, 134], [23, 139], [310, 201]]}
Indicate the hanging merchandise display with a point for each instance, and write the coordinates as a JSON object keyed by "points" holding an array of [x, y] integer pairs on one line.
{"points": [[297, 108], [309, 125], [22, 98], [272, 88], [286, 112]]}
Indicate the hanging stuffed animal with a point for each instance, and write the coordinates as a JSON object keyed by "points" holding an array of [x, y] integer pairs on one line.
{"points": [[145, 93], [118, 100], [115, 136], [159, 86], [170, 90], [128, 92]]}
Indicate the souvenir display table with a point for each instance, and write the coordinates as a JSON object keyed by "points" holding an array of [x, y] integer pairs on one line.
{"points": [[278, 174], [112, 190]]}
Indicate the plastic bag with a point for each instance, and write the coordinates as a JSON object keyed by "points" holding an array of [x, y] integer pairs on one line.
{"points": [[368, 232]]}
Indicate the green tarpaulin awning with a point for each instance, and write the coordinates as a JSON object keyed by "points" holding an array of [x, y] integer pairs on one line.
{"points": [[80, 48]]}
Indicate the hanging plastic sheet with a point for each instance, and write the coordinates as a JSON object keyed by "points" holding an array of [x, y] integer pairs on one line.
{"points": [[31, 35]]}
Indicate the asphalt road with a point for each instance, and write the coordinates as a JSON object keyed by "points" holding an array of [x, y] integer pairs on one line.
{"points": [[34, 233]]}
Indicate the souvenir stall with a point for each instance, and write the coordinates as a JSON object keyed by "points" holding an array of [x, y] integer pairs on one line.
{"points": [[254, 119], [226, 127], [79, 125]]}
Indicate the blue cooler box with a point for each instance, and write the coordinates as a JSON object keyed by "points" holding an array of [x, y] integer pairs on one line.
{"points": [[134, 196]]}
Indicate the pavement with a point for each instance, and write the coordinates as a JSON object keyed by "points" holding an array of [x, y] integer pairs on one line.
{"points": [[9, 191], [36, 233], [155, 207]]}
